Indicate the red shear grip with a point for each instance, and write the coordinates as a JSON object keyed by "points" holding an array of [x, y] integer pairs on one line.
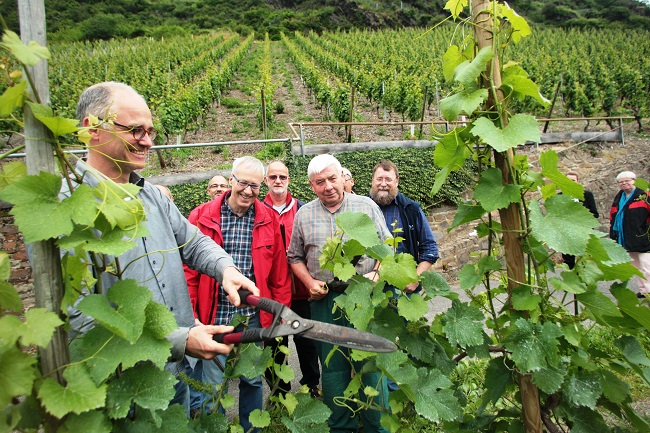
{"points": [[248, 336], [247, 297]]}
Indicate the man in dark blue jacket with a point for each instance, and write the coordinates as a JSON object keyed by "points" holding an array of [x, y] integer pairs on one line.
{"points": [[403, 213]]}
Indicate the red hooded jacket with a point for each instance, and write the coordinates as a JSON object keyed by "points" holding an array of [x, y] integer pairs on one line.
{"points": [[269, 261], [286, 217]]}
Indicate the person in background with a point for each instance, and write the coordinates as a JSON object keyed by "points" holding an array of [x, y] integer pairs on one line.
{"points": [[314, 223], [217, 186], [403, 213], [590, 203], [165, 191], [629, 223], [348, 181], [249, 231], [118, 146], [280, 200]]}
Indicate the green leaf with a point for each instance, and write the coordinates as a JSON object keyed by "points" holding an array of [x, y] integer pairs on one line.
{"points": [[13, 98], [309, 416], [104, 351], [455, 7], [88, 422], [357, 304], [570, 282], [27, 54], [587, 421], [399, 270], [252, 361], [159, 320], [260, 419], [524, 299], [413, 307], [82, 205], [145, 384], [614, 388], [632, 351], [566, 226], [284, 372], [451, 150], [607, 251], [127, 320], [520, 28], [119, 204], [452, 58], [17, 373], [434, 284], [597, 305], [467, 72], [344, 271], [498, 377], [550, 378], [58, 125], [464, 324], [465, 101], [548, 161], [359, 226], [38, 327], [171, 420], [78, 275], [492, 194], [432, 402], [520, 129], [101, 238], [582, 388], [533, 345], [79, 395], [467, 212], [289, 401], [9, 297], [629, 304], [471, 276]]}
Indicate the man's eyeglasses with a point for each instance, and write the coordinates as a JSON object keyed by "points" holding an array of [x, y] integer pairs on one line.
{"points": [[244, 184], [623, 181], [218, 185], [137, 131], [275, 176]]}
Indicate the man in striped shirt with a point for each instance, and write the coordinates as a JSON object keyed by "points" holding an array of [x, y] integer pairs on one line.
{"points": [[314, 223]]}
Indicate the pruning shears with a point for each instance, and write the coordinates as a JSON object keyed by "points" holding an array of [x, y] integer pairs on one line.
{"points": [[287, 322]]}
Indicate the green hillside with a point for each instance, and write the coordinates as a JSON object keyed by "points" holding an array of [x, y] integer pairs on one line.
{"points": [[73, 20]]}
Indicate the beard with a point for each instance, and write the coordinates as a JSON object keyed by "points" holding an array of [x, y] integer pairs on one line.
{"points": [[383, 197]]}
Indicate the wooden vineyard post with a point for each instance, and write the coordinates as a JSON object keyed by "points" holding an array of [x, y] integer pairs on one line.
{"points": [[510, 216], [45, 260]]}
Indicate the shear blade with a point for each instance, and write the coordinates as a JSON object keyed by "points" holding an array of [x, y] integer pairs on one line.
{"points": [[348, 337]]}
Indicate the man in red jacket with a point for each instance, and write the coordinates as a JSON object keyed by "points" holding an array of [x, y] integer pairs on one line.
{"points": [[250, 232], [279, 198]]}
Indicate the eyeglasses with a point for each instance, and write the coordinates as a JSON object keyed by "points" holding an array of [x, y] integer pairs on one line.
{"points": [[383, 179], [218, 185], [137, 131], [275, 176], [622, 181], [244, 184]]}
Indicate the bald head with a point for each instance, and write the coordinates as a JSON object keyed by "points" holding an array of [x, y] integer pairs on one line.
{"points": [[217, 186], [277, 179]]}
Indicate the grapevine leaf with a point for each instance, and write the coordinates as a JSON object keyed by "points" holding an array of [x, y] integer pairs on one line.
{"points": [[498, 377], [82, 205], [359, 226], [58, 125], [520, 28], [38, 195], [452, 58], [607, 251], [597, 305], [550, 378], [548, 161], [127, 320], [521, 128], [399, 270], [570, 282], [395, 365], [465, 101], [566, 227], [455, 7], [89, 422], [284, 372], [632, 351], [614, 388], [289, 401], [492, 194], [119, 205], [523, 298], [471, 276], [582, 388], [355, 302], [145, 384], [439, 180], [27, 54], [464, 324], [38, 327], [309, 416], [17, 374], [533, 345], [451, 150], [13, 98], [260, 419], [467, 72], [101, 238], [79, 395], [9, 297], [432, 402], [412, 308], [629, 304], [435, 284], [467, 212], [344, 271], [159, 320], [587, 421], [77, 276], [353, 248], [104, 351], [252, 361]]}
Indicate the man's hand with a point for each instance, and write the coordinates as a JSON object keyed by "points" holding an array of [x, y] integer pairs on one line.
{"points": [[317, 290], [232, 281], [411, 287], [201, 345]]}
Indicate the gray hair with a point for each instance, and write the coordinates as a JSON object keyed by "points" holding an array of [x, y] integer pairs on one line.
{"points": [[626, 175], [98, 98], [321, 162], [248, 162], [346, 172]]}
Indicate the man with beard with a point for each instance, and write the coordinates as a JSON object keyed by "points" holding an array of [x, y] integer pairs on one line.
{"points": [[314, 223], [403, 213], [250, 232], [280, 200]]}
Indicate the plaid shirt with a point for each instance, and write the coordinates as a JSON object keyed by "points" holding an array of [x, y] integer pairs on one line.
{"points": [[237, 235], [314, 224]]}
